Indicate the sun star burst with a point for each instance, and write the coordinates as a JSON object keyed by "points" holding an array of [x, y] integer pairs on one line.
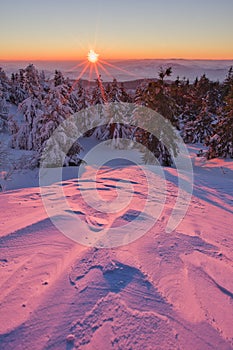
{"points": [[92, 56]]}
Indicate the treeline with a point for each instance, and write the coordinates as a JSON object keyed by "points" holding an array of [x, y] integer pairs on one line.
{"points": [[202, 111]]}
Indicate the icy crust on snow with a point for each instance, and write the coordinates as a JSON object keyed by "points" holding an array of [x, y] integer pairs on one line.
{"points": [[163, 291]]}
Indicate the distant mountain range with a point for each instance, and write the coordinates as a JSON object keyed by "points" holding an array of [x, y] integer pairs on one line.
{"points": [[126, 70]]}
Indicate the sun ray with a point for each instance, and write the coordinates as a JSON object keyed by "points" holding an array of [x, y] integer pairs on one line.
{"points": [[97, 25], [83, 71], [115, 67], [100, 82], [93, 63], [90, 72], [96, 71], [105, 70], [75, 82], [77, 65], [90, 75], [79, 41], [79, 77]]}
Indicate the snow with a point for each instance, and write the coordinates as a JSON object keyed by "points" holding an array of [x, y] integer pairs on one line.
{"points": [[162, 291]]}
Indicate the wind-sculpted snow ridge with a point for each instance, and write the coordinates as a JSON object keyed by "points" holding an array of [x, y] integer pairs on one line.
{"points": [[163, 291]]}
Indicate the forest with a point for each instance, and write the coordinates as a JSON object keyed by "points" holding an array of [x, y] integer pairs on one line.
{"points": [[200, 111]]}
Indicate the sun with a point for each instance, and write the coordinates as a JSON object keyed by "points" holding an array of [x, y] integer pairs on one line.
{"points": [[97, 65], [92, 56]]}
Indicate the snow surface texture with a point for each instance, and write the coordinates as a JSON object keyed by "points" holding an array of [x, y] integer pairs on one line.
{"points": [[163, 291], [108, 207]]}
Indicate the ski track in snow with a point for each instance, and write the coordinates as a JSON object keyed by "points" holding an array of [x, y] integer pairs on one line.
{"points": [[161, 292]]}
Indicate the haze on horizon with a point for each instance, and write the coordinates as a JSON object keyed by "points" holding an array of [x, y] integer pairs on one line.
{"points": [[123, 29]]}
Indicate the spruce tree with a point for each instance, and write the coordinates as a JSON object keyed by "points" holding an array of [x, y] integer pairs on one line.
{"points": [[156, 96], [220, 144], [58, 78]]}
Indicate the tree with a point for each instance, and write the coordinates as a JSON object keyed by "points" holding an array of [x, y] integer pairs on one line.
{"points": [[228, 82], [98, 97], [156, 96], [32, 81], [4, 84], [140, 93], [58, 78], [99, 94], [220, 144], [200, 108], [3, 104], [25, 134], [202, 126], [164, 72], [41, 119], [17, 91], [79, 98], [113, 115], [124, 96]]}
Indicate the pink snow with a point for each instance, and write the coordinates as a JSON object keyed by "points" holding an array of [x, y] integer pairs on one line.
{"points": [[163, 291]]}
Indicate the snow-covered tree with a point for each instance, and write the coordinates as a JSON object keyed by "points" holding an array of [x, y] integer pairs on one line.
{"points": [[83, 96], [114, 93], [199, 104], [17, 92], [124, 95], [5, 85], [32, 81], [56, 108], [114, 116], [62, 148], [117, 126], [156, 96], [4, 97], [78, 97], [58, 78], [98, 93], [202, 126], [220, 144], [42, 115], [25, 134], [3, 105], [139, 93]]}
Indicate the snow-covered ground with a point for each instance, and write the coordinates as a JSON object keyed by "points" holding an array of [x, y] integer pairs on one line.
{"points": [[163, 291]]}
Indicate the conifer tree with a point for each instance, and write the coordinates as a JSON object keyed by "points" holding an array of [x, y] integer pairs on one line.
{"points": [[156, 96], [99, 93], [220, 144], [32, 81], [58, 78]]}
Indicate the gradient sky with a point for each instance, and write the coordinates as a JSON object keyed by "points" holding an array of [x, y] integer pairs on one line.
{"points": [[59, 29]]}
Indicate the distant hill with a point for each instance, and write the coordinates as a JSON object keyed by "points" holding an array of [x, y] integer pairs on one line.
{"points": [[129, 85], [132, 70]]}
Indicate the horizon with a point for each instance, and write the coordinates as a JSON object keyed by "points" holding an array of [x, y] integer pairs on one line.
{"points": [[117, 59], [125, 70]]}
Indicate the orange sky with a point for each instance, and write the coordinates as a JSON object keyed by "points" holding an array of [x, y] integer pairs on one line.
{"points": [[125, 29]]}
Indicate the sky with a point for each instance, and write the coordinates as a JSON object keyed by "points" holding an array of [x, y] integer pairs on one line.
{"points": [[116, 29]]}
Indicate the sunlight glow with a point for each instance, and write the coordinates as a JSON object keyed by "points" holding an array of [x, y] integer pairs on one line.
{"points": [[92, 56], [96, 65]]}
